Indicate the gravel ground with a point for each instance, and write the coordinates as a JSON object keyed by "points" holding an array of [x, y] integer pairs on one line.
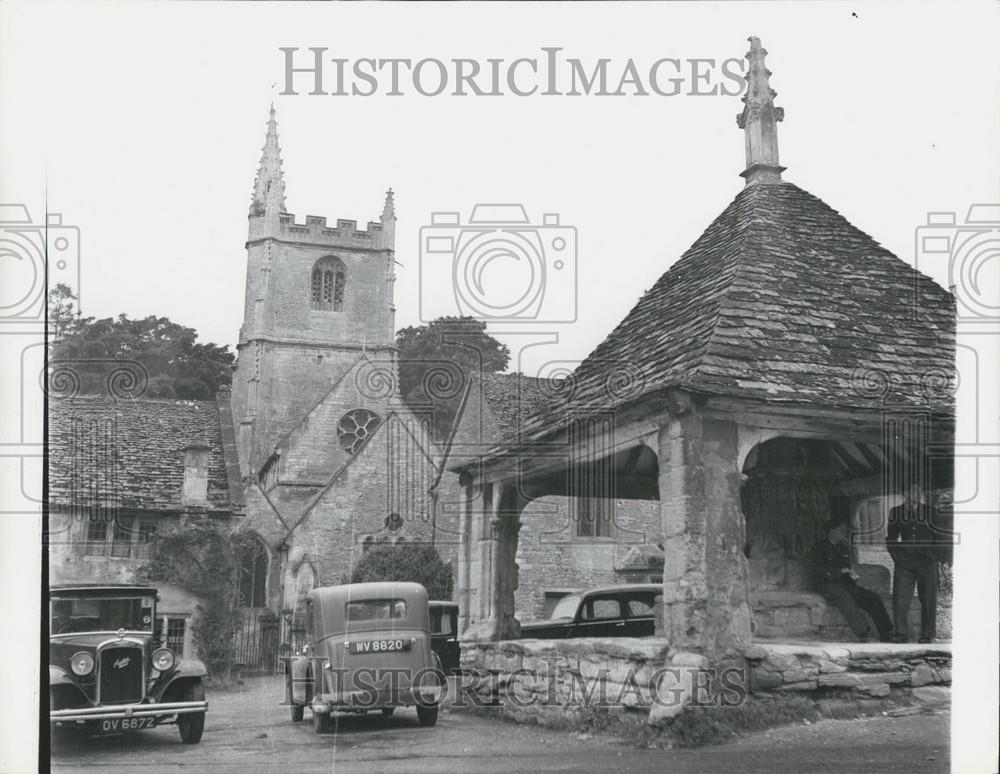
{"points": [[248, 732]]}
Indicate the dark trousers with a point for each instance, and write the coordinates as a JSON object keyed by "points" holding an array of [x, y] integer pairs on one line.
{"points": [[925, 577], [853, 601]]}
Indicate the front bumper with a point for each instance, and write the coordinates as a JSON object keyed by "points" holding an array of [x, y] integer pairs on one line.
{"points": [[369, 700], [127, 711]]}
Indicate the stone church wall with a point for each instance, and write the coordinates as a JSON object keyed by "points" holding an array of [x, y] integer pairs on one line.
{"points": [[332, 535]]}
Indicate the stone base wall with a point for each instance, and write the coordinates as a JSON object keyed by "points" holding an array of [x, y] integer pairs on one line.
{"points": [[535, 680], [870, 669], [537, 677]]}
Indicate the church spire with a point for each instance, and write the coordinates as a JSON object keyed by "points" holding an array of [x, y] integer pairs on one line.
{"points": [[389, 209], [269, 187], [759, 120]]}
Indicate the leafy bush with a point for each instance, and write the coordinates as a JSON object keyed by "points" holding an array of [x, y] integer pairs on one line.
{"points": [[202, 555], [406, 562]]}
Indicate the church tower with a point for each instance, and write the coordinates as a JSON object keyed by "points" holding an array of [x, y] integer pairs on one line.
{"points": [[317, 298]]}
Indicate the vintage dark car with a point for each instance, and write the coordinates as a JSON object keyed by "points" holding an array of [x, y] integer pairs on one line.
{"points": [[368, 648], [611, 611], [106, 673], [444, 634]]}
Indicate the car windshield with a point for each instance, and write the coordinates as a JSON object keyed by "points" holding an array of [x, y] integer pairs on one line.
{"points": [[100, 614], [376, 610], [566, 608]]}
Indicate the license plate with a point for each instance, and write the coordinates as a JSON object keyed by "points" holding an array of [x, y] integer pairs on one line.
{"points": [[378, 646], [113, 725]]}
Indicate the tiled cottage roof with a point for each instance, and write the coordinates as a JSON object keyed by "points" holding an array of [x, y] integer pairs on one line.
{"points": [[780, 299], [511, 398], [131, 452]]}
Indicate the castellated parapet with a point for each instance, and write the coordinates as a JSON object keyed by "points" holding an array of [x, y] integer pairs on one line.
{"points": [[315, 231]]}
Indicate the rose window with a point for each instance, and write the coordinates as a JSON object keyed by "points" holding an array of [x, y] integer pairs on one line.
{"points": [[354, 428]]}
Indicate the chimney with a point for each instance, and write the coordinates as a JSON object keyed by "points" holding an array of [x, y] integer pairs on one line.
{"points": [[195, 489], [759, 120]]}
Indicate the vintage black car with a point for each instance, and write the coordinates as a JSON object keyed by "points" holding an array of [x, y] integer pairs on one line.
{"points": [[444, 634], [106, 673], [368, 650], [611, 611]]}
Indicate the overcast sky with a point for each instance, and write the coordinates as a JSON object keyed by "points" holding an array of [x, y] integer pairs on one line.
{"points": [[146, 123]]}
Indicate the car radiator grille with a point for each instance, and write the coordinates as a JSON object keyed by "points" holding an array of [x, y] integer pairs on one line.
{"points": [[121, 675]]}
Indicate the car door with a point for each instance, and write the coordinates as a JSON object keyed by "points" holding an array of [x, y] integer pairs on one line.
{"points": [[639, 613], [600, 615]]}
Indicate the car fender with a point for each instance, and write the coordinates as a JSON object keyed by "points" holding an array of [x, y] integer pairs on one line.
{"points": [[300, 678], [186, 668], [59, 676], [189, 667]]}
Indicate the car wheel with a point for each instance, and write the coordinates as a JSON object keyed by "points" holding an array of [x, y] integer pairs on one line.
{"points": [[387, 711], [428, 716], [192, 725], [298, 712], [322, 722]]}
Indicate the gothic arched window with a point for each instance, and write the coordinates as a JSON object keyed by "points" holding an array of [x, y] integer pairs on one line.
{"points": [[329, 281], [253, 574]]}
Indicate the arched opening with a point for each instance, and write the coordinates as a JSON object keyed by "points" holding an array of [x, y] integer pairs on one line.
{"points": [[594, 521], [253, 569], [792, 487], [786, 499], [328, 285]]}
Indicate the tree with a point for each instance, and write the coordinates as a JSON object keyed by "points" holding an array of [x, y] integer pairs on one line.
{"points": [[406, 562], [435, 361], [203, 556], [62, 311], [165, 358]]}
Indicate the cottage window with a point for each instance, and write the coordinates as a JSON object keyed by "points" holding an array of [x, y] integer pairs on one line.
{"points": [[97, 536], [146, 531], [329, 281], [121, 542], [593, 517]]}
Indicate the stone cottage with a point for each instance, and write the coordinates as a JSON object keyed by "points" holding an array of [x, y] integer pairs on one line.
{"points": [[119, 470]]}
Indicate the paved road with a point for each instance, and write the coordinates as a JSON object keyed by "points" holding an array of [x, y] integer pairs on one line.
{"points": [[247, 732]]}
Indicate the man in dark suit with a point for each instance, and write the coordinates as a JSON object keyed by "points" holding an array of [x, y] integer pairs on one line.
{"points": [[914, 546], [837, 581]]}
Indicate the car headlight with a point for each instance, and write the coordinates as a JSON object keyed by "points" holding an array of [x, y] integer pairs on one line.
{"points": [[82, 663], [163, 659]]}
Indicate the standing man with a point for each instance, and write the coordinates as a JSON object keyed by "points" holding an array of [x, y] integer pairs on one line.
{"points": [[837, 581], [910, 540]]}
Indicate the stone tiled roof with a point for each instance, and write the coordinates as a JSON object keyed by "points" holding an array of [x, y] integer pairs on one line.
{"points": [[511, 398], [131, 450], [781, 299]]}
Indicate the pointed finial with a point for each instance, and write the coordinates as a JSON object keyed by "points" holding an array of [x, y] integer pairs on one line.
{"points": [[759, 120], [269, 186], [389, 210]]}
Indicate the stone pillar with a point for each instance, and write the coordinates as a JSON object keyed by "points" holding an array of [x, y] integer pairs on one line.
{"points": [[506, 527], [492, 541], [705, 577], [466, 543]]}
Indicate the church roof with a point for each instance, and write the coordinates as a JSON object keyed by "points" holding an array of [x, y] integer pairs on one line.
{"points": [[781, 299], [132, 451]]}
